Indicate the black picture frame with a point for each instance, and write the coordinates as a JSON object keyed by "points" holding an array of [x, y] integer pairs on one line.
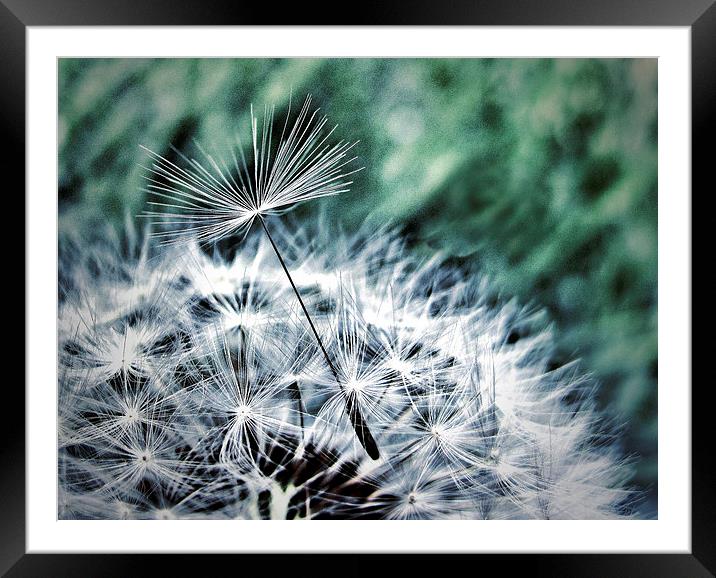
{"points": [[699, 15]]}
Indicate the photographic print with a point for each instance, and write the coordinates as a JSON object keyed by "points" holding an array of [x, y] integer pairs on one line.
{"points": [[357, 289]]}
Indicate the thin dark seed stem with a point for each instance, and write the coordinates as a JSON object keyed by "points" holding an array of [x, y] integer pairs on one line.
{"points": [[352, 409]]}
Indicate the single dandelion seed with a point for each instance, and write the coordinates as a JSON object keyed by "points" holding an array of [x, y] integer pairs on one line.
{"points": [[220, 197], [216, 197]]}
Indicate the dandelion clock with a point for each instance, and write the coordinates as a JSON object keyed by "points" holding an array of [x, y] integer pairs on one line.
{"points": [[221, 358]]}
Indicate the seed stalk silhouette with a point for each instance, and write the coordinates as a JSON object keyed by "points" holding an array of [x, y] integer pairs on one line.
{"points": [[361, 428]]}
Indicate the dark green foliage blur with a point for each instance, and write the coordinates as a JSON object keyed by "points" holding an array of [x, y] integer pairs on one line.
{"points": [[542, 171]]}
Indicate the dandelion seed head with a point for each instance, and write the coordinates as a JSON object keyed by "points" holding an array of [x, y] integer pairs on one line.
{"points": [[123, 511], [243, 413], [355, 385], [204, 395], [402, 366], [165, 514]]}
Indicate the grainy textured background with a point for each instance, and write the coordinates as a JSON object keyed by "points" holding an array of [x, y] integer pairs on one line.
{"points": [[542, 171]]}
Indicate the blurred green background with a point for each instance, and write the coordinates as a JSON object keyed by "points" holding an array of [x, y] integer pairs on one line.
{"points": [[544, 171]]}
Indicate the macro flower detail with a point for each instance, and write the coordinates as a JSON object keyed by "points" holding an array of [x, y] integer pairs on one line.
{"points": [[232, 412], [195, 383]]}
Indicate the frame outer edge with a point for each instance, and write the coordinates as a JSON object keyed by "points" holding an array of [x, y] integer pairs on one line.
{"points": [[373, 12], [12, 102], [703, 126], [12, 424]]}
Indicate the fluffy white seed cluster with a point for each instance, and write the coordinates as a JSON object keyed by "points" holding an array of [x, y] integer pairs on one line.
{"points": [[191, 387]]}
